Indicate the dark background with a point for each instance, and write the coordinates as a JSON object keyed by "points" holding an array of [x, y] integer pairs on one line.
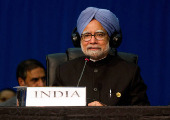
{"points": [[35, 28]]}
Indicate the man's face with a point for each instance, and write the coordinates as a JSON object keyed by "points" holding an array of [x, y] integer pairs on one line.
{"points": [[5, 95], [35, 78], [96, 49]]}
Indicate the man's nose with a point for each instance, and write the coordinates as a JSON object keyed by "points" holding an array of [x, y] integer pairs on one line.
{"points": [[93, 39]]}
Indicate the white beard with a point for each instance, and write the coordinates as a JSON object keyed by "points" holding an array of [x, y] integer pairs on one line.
{"points": [[96, 54]]}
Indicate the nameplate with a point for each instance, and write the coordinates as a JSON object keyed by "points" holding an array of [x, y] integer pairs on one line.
{"points": [[56, 96]]}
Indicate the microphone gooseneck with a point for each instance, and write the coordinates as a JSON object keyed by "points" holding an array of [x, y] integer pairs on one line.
{"points": [[82, 71]]}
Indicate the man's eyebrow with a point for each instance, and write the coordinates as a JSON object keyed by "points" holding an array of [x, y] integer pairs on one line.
{"points": [[85, 32], [99, 31], [43, 77], [35, 78]]}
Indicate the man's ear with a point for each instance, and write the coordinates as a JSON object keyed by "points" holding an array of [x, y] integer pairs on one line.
{"points": [[21, 81]]}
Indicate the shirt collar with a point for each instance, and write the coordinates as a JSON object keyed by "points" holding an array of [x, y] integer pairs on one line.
{"points": [[97, 60]]}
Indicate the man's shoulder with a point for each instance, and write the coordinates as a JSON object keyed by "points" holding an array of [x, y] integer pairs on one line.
{"points": [[9, 102], [122, 62]]}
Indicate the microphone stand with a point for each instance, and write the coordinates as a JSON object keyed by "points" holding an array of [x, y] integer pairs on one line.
{"points": [[82, 71]]}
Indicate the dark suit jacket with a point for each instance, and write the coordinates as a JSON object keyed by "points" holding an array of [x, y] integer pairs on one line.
{"points": [[104, 79], [10, 102]]}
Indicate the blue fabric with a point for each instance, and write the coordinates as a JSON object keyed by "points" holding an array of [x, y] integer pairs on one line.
{"points": [[107, 19]]}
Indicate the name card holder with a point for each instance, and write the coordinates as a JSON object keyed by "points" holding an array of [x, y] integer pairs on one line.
{"points": [[21, 95]]}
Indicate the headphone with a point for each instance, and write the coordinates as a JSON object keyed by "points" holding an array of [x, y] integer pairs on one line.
{"points": [[115, 39]]}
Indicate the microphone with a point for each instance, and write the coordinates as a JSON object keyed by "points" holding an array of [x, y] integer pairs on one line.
{"points": [[82, 71]]}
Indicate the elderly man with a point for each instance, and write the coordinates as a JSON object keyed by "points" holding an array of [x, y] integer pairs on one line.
{"points": [[109, 80], [30, 73]]}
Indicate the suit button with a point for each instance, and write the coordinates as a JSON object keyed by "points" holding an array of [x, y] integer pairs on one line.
{"points": [[96, 70], [95, 89]]}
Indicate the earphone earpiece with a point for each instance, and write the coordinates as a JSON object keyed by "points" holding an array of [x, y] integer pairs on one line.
{"points": [[75, 38], [115, 39]]}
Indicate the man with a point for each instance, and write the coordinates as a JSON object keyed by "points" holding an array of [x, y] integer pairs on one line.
{"points": [[109, 80], [6, 94], [30, 73]]}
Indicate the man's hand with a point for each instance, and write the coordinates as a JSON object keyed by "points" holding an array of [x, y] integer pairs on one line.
{"points": [[96, 103]]}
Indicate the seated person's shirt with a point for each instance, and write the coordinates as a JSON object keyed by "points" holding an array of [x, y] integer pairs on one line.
{"points": [[112, 80]]}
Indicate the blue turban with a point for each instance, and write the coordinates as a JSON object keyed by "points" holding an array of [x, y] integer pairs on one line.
{"points": [[106, 18]]}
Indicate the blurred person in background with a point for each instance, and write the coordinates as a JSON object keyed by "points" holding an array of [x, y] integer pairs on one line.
{"points": [[30, 73], [6, 94]]}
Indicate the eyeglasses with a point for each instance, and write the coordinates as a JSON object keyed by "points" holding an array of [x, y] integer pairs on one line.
{"points": [[98, 36]]}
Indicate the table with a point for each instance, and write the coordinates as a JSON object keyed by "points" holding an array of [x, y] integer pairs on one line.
{"points": [[86, 113]]}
